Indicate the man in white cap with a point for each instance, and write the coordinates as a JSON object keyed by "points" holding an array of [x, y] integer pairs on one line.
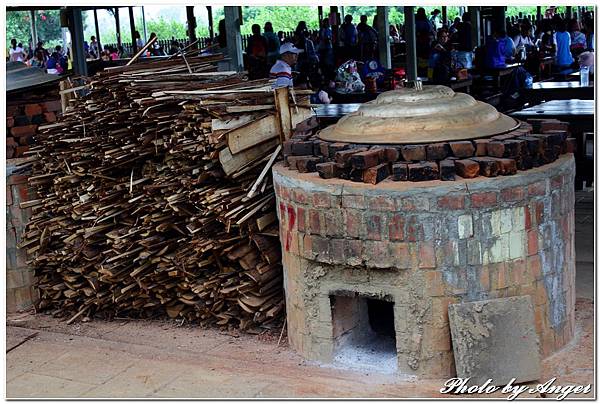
{"points": [[282, 69]]}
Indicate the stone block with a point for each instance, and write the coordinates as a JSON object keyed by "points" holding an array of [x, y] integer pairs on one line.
{"points": [[495, 339], [465, 226]]}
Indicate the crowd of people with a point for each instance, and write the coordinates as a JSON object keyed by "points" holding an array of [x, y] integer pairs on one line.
{"points": [[53, 61]]}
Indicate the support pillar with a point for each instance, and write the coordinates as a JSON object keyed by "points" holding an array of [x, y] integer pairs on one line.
{"points": [[333, 10], [191, 23], [538, 14], [211, 25], [76, 28], [234, 38], [144, 23], [411, 43], [445, 16], [132, 28], [499, 18], [569, 13], [320, 14], [34, 38], [97, 33], [383, 42], [118, 27], [475, 26]]}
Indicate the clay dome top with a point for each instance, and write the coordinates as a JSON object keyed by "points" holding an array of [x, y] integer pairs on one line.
{"points": [[434, 114]]}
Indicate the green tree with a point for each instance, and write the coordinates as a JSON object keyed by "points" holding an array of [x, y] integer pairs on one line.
{"points": [[47, 23]]}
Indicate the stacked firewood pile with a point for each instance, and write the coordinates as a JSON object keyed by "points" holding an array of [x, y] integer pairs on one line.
{"points": [[503, 154], [153, 196]]}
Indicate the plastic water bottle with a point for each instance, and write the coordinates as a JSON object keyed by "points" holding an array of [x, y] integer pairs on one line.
{"points": [[528, 81], [584, 76]]}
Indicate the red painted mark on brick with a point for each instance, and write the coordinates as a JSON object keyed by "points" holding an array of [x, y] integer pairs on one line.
{"points": [[290, 229]]}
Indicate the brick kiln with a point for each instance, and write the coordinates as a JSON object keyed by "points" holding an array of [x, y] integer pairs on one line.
{"points": [[416, 201]]}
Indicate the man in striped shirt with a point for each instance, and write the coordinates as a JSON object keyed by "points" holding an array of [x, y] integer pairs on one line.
{"points": [[282, 69]]}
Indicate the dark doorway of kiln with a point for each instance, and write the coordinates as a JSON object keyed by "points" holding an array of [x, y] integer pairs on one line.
{"points": [[364, 336]]}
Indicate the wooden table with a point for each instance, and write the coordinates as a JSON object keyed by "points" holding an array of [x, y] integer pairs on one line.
{"points": [[559, 90], [576, 77], [580, 115], [501, 72]]}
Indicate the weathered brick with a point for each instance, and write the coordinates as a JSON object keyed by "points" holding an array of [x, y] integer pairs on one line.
{"points": [[301, 216], [527, 217], [50, 117], [413, 152], [375, 175], [32, 109], [336, 250], [27, 130], [483, 199], [52, 106], [414, 229], [437, 151], [377, 254], [320, 248], [462, 149], [374, 226], [353, 201], [532, 242], [434, 284], [314, 222], [534, 266], [426, 255], [381, 203], [539, 212], [299, 196], [451, 202], [466, 168], [556, 182], [353, 252], [354, 223], [512, 194], [396, 227], [321, 200], [537, 189], [334, 223], [10, 122], [424, 171], [481, 147], [9, 199], [401, 255], [366, 159]]}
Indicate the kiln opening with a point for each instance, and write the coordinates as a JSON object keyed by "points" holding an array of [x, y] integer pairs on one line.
{"points": [[363, 332]]}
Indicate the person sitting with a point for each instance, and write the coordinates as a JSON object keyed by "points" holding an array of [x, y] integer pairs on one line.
{"points": [[440, 53], [547, 45], [37, 60], [563, 58], [497, 50], [454, 27], [282, 69], [578, 41], [462, 38], [524, 39], [394, 35]]}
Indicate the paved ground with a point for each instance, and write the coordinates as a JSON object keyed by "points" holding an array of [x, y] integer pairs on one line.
{"points": [[159, 359]]}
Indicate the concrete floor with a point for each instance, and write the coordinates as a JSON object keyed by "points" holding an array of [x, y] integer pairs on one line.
{"points": [[121, 359]]}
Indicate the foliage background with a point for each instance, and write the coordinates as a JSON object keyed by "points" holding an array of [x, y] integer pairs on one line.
{"points": [[283, 18]]}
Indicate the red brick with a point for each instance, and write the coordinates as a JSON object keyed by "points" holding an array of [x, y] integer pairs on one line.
{"points": [[16, 179], [353, 253], [539, 213], [534, 266], [334, 223], [26, 130], [513, 194], [354, 223], [321, 200], [50, 117], [10, 152], [539, 188], [414, 229], [299, 196], [282, 217], [532, 242], [483, 199], [314, 221], [396, 227], [33, 109], [10, 142], [301, 219], [10, 122], [426, 255], [374, 226], [556, 182], [320, 247], [451, 202], [402, 255], [25, 140], [381, 203], [9, 199], [307, 246], [527, 218], [336, 250], [52, 106], [353, 201]]}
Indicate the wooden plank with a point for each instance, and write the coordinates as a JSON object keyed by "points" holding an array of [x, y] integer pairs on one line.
{"points": [[283, 112], [251, 134], [233, 162]]}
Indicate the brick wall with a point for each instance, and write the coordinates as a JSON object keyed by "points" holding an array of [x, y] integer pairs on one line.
{"points": [[428, 245], [24, 115], [20, 294]]}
